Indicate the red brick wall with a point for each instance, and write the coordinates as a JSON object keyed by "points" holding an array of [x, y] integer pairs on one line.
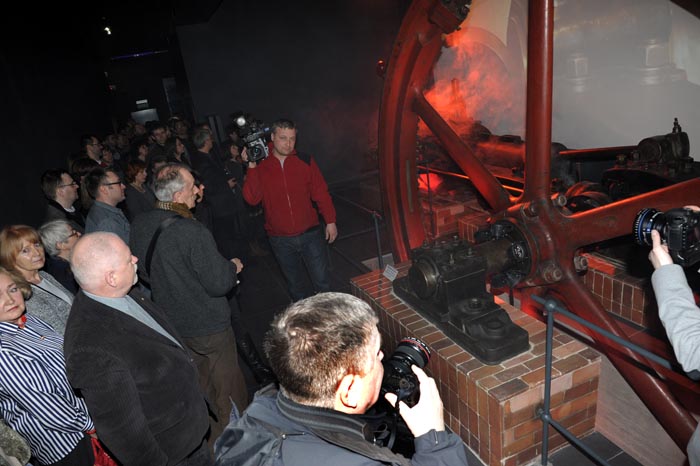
{"points": [[493, 408]]}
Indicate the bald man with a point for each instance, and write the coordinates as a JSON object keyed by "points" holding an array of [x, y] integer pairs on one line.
{"points": [[129, 363]]}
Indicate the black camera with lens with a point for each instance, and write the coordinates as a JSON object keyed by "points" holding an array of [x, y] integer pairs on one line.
{"points": [[252, 133], [398, 376], [679, 230]]}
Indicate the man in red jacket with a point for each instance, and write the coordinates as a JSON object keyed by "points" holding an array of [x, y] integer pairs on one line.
{"points": [[286, 184]]}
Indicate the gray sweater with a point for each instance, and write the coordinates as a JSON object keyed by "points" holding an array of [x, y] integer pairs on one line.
{"points": [[48, 307], [189, 278], [679, 314], [681, 318]]}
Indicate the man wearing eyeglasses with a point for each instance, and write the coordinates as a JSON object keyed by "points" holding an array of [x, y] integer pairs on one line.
{"points": [[91, 147], [105, 187], [61, 192]]}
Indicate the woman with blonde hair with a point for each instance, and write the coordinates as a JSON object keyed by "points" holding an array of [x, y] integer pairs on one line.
{"points": [[22, 251], [36, 399]]}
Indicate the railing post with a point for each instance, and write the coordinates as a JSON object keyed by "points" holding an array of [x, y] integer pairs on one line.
{"points": [[545, 415], [380, 259]]}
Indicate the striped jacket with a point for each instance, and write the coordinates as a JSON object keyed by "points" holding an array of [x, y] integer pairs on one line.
{"points": [[36, 399]]}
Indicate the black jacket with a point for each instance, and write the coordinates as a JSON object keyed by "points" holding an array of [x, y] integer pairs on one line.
{"points": [[218, 193], [141, 389], [54, 211], [311, 436]]}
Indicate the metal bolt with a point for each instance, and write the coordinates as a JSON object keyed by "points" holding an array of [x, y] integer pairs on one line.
{"points": [[559, 200], [552, 273], [531, 210], [580, 263]]}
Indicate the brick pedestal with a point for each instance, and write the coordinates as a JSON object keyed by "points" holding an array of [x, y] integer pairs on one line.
{"points": [[493, 408], [447, 209]]}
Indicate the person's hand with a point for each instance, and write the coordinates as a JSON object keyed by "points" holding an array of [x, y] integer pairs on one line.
{"points": [[658, 256], [237, 262], [331, 232], [694, 208], [427, 414], [244, 157], [232, 183]]}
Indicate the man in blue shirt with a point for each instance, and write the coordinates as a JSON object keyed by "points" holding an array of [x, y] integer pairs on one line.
{"points": [[105, 187]]}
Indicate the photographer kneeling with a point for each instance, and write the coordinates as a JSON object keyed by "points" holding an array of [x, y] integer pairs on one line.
{"points": [[325, 351], [679, 315]]}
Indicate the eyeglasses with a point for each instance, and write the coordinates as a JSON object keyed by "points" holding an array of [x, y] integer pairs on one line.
{"points": [[73, 233], [112, 183], [68, 184]]}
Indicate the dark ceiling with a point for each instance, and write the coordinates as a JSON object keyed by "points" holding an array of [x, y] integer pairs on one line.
{"points": [[136, 26], [139, 27]]}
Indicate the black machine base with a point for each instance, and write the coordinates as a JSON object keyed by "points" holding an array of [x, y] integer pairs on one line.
{"points": [[491, 336]]}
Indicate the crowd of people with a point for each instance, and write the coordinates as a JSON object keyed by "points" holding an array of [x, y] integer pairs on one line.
{"points": [[119, 323], [120, 329]]}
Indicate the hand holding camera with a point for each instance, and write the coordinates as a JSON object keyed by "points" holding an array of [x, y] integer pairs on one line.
{"points": [[677, 234], [409, 389], [244, 157], [427, 414], [253, 134], [659, 256]]}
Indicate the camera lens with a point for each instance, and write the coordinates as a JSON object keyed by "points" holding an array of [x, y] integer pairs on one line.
{"points": [[414, 351], [646, 221], [398, 376]]}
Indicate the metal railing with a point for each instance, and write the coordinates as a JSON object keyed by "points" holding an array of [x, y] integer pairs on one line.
{"points": [[376, 217], [552, 307]]}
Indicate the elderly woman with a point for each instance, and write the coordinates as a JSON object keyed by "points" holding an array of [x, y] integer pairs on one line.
{"points": [[21, 251], [36, 399], [59, 237]]}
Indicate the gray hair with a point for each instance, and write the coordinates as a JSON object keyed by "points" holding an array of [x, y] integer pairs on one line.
{"points": [[169, 180], [200, 137], [55, 231], [315, 342]]}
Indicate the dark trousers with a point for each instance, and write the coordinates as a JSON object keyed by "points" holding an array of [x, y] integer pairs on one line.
{"points": [[220, 376], [301, 253], [200, 457], [81, 455]]}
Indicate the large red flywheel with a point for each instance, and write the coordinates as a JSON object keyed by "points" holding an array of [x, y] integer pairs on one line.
{"points": [[546, 228]]}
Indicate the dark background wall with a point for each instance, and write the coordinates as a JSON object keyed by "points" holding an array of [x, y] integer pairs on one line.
{"points": [[313, 62], [52, 90]]}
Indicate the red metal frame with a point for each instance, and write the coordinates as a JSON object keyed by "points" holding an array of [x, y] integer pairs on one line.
{"points": [[546, 228]]}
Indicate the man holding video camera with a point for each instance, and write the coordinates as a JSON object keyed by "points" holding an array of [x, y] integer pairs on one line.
{"points": [[287, 183], [679, 315], [325, 351]]}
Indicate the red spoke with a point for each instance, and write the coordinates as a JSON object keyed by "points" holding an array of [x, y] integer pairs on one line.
{"points": [[651, 390], [616, 219], [481, 177]]}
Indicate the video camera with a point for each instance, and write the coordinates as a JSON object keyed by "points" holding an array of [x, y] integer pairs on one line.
{"points": [[679, 230], [252, 133]]}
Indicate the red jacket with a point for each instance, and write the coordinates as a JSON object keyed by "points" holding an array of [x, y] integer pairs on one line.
{"points": [[286, 193]]}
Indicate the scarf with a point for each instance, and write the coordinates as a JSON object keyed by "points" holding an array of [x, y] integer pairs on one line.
{"points": [[176, 207]]}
